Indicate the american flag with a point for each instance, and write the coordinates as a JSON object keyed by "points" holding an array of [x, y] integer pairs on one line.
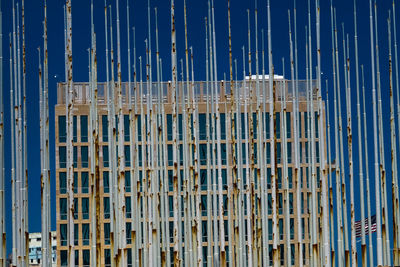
{"points": [[373, 228]]}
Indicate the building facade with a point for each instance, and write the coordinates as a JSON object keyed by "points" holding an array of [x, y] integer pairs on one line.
{"points": [[35, 249], [200, 150]]}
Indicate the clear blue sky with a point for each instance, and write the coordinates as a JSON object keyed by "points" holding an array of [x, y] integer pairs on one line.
{"points": [[197, 10]]}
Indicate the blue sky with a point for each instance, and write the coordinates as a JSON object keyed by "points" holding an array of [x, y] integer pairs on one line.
{"points": [[197, 10]]}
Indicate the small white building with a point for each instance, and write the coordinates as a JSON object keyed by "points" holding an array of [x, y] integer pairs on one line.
{"points": [[35, 249]]}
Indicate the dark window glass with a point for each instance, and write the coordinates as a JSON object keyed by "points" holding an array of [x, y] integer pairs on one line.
{"points": [[128, 207], [170, 155], [75, 182], [107, 257], [104, 122], [169, 127], [76, 236], [75, 128], [84, 157], [75, 156], [126, 127], [85, 234], [139, 128], [85, 208], [127, 154], [63, 208], [63, 182], [62, 154], [106, 157], [84, 128], [106, 182], [128, 233], [223, 128], [63, 234], [76, 208], [64, 257], [127, 181], [278, 124], [202, 126], [62, 129], [84, 182], [288, 125], [106, 204], [86, 257], [76, 257], [107, 233]]}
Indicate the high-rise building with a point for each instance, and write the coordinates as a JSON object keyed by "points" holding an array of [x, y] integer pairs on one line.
{"points": [[151, 170], [35, 249]]}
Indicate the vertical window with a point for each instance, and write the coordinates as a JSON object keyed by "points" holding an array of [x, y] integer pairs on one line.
{"points": [[291, 228], [281, 229], [223, 154], [316, 124], [63, 234], [203, 205], [127, 181], [278, 152], [127, 152], [267, 125], [107, 257], [202, 126], [255, 125], [170, 155], [169, 127], [107, 233], [85, 208], [76, 257], [290, 177], [106, 204], [84, 128], [128, 207], [86, 257], [84, 182], [128, 227], [223, 127], [170, 181], [62, 131], [203, 154], [288, 125], [76, 236], [75, 156], [126, 128], [63, 182], [106, 182], [104, 123], [278, 124], [85, 234], [317, 151], [84, 156], [203, 179], [289, 152], [139, 128], [268, 153], [62, 154], [64, 257], [75, 182], [75, 128], [106, 162], [63, 208], [76, 208]]}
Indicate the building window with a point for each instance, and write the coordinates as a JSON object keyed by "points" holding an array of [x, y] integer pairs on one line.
{"points": [[202, 126], [128, 233], [291, 228], [106, 182], [107, 258], [128, 207], [86, 257], [281, 229], [169, 127], [63, 182], [127, 152], [106, 203], [288, 125], [223, 154], [223, 127], [85, 208], [84, 128], [85, 234], [107, 233], [63, 208], [76, 257], [84, 182], [75, 128], [203, 179], [127, 181], [106, 162], [139, 128], [75, 157], [126, 127], [84, 157], [62, 154], [76, 208], [62, 131], [170, 155], [278, 124], [289, 152], [76, 236], [104, 122], [203, 154], [278, 152], [64, 257], [63, 234], [75, 182], [203, 205], [267, 125]]}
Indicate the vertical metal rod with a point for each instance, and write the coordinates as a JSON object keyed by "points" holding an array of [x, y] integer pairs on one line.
{"points": [[360, 162], [2, 167], [385, 218], [371, 252], [376, 159]]}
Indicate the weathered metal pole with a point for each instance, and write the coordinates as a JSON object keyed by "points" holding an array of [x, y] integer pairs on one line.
{"points": [[2, 167]]}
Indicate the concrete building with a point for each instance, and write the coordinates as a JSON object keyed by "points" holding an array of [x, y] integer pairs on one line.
{"points": [[82, 163], [35, 249]]}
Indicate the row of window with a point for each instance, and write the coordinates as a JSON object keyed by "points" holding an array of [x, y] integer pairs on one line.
{"points": [[202, 125]]}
